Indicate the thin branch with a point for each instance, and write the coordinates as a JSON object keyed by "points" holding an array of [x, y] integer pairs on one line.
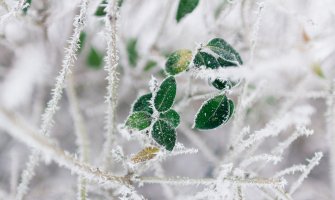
{"points": [[47, 117], [81, 133], [111, 59]]}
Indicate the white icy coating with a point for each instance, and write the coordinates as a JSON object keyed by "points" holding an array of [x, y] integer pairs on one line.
{"points": [[284, 103]]}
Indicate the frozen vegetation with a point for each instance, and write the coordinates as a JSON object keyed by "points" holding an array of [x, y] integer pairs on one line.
{"points": [[167, 99]]}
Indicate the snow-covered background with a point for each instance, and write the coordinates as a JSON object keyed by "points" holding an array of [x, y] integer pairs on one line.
{"points": [[288, 49]]}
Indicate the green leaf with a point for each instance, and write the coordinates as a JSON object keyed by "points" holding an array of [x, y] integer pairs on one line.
{"points": [[171, 116], [139, 120], [228, 55], [224, 85], [82, 39], [213, 113], [178, 61], [165, 95], [231, 108], [94, 59], [143, 104], [100, 12], [132, 52], [164, 134], [25, 10], [185, 7], [205, 59], [149, 65]]}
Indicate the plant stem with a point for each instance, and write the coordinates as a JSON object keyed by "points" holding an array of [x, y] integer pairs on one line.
{"points": [[81, 134], [111, 59]]}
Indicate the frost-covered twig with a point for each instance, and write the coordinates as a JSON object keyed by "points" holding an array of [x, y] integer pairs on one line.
{"points": [[47, 117], [259, 182], [263, 157], [330, 120], [81, 134], [13, 12], [111, 59], [298, 116], [23, 132], [290, 170], [301, 131], [312, 163], [254, 36]]}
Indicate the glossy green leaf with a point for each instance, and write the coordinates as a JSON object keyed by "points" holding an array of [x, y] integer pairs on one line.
{"points": [[171, 116], [82, 39], [100, 12], [164, 134], [165, 95], [213, 113], [178, 61], [139, 120], [185, 7], [94, 59], [132, 52], [228, 55], [143, 104], [205, 59], [150, 65]]}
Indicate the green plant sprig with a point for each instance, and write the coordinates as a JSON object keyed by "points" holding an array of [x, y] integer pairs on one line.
{"points": [[153, 111]]}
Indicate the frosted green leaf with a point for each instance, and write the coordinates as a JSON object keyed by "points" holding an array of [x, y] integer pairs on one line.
{"points": [[143, 104], [231, 108], [228, 55], [213, 113], [132, 52], [25, 10], [100, 12], [139, 120], [171, 116], [224, 85], [178, 61], [94, 59], [165, 95], [164, 134], [205, 59], [185, 7]]}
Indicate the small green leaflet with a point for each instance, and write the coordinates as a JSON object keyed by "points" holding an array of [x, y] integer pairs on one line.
{"points": [[100, 12], [205, 59], [28, 3], [164, 134], [94, 59], [171, 116], [139, 120], [143, 104], [222, 55], [150, 65], [165, 95], [224, 85], [228, 56], [178, 61], [213, 113], [185, 7], [132, 52]]}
